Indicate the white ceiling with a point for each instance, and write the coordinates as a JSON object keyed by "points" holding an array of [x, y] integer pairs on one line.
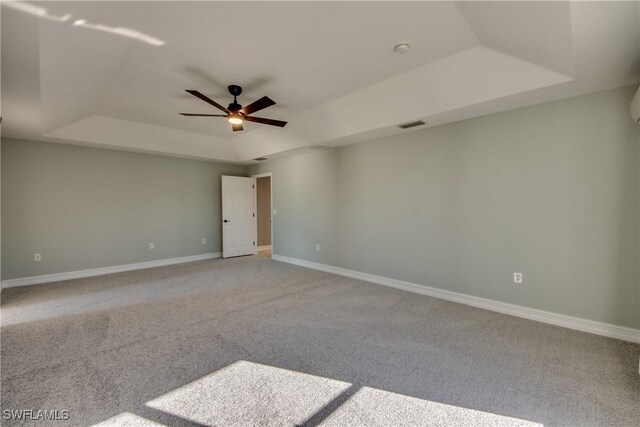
{"points": [[330, 67]]}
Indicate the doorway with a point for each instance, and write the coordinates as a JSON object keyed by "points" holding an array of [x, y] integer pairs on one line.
{"points": [[264, 210]]}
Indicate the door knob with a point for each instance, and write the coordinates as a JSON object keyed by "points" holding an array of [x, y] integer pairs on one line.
{"points": [[225, 221]]}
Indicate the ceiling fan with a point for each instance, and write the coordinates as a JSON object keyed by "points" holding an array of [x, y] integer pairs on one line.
{"points": [[235, 112]]}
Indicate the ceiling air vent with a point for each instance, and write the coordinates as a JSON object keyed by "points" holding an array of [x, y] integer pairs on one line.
{"points": [[412, 124], [260, 159]]}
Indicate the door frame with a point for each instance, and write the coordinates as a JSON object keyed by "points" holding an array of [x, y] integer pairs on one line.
{"points": [[255, 177]]}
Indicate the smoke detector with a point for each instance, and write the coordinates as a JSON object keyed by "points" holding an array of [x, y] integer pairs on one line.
{"points": [[401, 48]]}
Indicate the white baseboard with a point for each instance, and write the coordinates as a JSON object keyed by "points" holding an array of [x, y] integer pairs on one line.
{"points": [[584, 325], [264, 248], [56, 277]]}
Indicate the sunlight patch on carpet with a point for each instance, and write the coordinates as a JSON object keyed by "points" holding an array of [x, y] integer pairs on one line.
{"points": [[247, 393], [128, 419], [370, 406]]}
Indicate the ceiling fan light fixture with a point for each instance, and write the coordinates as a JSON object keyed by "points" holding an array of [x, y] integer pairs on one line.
{"points": [[235, 120], [236, 114]]}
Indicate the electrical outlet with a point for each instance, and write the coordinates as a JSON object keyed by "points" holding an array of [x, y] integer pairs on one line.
{"points": [[517, 278], [317, 247], [152, 245], [204, 241], [37, 257]]}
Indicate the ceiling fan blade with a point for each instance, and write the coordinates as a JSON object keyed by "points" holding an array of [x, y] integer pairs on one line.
{"points": [[207, 100], [264, 121], [237, 128], [202, 115], [258, 105]]}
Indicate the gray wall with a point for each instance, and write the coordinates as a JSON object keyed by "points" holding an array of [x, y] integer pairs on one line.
{"points": [[263, 199], [304, 196], [551, 191], [86, 207]]}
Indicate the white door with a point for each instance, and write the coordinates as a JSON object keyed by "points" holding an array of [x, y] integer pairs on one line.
{"points": [[238, 210]]}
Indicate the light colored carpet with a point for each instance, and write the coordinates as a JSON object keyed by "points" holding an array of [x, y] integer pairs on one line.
{"points": [[252, 341]]}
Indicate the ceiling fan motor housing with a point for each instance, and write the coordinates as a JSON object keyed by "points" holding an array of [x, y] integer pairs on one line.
{"points": [[234, 106], [234, 90]]}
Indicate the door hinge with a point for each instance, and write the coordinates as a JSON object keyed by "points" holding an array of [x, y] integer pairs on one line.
{"points": [[254, 215], [253, 186], [254, 243]]}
